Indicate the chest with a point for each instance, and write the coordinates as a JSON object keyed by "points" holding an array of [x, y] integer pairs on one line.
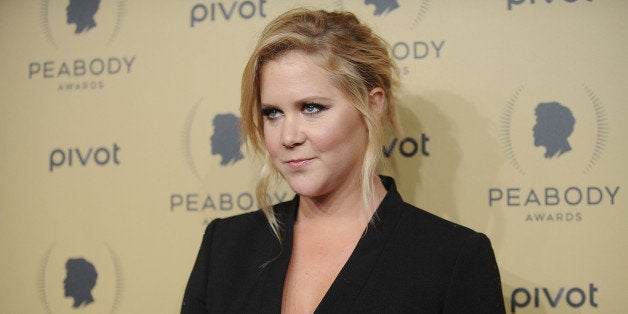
{"points": [[314, 265]]}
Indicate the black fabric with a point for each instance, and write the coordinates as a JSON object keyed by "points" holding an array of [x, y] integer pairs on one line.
{"points": [[409, 261]]}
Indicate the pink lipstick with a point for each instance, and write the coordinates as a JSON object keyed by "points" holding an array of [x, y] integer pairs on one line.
{"points": [[298, 163]]}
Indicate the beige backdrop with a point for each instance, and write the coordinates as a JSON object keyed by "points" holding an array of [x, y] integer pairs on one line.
{"points": [[110, 150]]}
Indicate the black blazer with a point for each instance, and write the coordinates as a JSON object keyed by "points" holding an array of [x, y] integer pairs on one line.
{"points": [[409, 261]]}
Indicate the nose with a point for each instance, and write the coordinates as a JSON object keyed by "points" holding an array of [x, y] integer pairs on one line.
{"points": [[291, 132]]}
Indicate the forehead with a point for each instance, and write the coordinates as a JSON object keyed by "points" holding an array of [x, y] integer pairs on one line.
{"points": [[295, 72], [295, 60]]}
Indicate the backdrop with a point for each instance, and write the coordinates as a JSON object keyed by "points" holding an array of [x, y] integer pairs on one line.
{"points": [[119, 143]]}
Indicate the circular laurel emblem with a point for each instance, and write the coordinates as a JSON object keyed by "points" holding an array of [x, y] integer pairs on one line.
{"points": [[86, 277], [544, 130], [81, 23]]}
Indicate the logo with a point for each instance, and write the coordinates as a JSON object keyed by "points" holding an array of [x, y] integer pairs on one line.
{"points": [[75, 156], [391, 17], [74, 276], [513, 3], [82, 14], [226, 140], [383, 6], [226, 11], [80, 279], [573, 297], [554, 124], [408, 146], [75, 23], [77, 26], [212, 151], [552, 141]]}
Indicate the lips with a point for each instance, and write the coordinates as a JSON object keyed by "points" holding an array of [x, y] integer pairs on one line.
{"points": [[298, 163]]}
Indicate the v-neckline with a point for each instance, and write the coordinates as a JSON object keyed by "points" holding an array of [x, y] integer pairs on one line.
{"points": [[346, 287]]}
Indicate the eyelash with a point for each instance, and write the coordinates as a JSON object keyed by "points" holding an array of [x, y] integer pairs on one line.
{"points": [[268, 112], [316, 106]]}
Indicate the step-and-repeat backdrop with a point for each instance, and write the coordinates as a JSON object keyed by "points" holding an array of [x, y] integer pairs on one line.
{"points": [[119, 142]]}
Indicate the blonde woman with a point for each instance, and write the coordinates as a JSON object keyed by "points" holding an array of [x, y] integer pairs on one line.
{"points": [[317, 97]]}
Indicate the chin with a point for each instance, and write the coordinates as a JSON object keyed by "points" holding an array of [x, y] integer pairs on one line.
{"points": [[304, 185]]}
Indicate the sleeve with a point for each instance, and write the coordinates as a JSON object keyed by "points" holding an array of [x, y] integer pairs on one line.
{"points": [[475, 285], [194, 298]]}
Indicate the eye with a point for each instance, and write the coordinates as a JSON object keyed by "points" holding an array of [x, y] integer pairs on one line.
{"points": [[312, 108], [271, 113]]}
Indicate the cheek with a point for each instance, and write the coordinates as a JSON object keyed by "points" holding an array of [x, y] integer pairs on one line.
{"points": [[328, 137], [343, 135], [270, 141]]}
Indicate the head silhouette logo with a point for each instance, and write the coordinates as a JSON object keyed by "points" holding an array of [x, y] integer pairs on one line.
{"points": [[383, 6], [75, 27], [397, 21], [407, 13], [81, 275], [76, 23], [79, 281], [554, 125], [226, 140], [211, 147], [81, 13], [573, 130], [209, 142]]}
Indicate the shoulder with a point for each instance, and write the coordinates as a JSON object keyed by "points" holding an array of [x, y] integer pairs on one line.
{"points": [[415, 226], [422, 232], [239, 221], [425, 221], [247, 225], [444, 265], [236, 227], [240, 243], [448, 251]]}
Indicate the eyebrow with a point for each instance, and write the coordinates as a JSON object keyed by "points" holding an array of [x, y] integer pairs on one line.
{"points": [[303, 100]]}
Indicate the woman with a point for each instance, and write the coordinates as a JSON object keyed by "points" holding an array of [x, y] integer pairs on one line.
{"points": [[317, 96]]}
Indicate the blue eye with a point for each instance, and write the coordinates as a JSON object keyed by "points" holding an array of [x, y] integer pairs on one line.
{"points": [[271, 113], [312, 108]]}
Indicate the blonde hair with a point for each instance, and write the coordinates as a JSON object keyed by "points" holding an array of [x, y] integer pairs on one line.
{"points": [[357, 61]]}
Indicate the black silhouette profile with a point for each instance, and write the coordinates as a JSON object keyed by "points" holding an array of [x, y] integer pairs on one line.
{"points": [[79, 281], [554, 124], [81, 13], [383, 6], [226, 139]]}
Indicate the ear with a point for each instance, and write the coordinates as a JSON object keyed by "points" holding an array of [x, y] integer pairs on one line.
{"points": [[377, 100]]}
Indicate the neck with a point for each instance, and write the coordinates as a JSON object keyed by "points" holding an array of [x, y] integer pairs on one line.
{"points": [[342, 205]]}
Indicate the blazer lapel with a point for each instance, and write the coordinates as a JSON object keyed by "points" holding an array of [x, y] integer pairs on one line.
{"points": [[265, 295], [344, 291]]}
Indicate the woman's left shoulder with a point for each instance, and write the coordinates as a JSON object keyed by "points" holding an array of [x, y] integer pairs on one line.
{"points": [[458, 256], [416, 222]]}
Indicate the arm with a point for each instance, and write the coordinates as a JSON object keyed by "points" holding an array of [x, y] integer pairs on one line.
{"points": [[194, 299], [475, 285]]}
